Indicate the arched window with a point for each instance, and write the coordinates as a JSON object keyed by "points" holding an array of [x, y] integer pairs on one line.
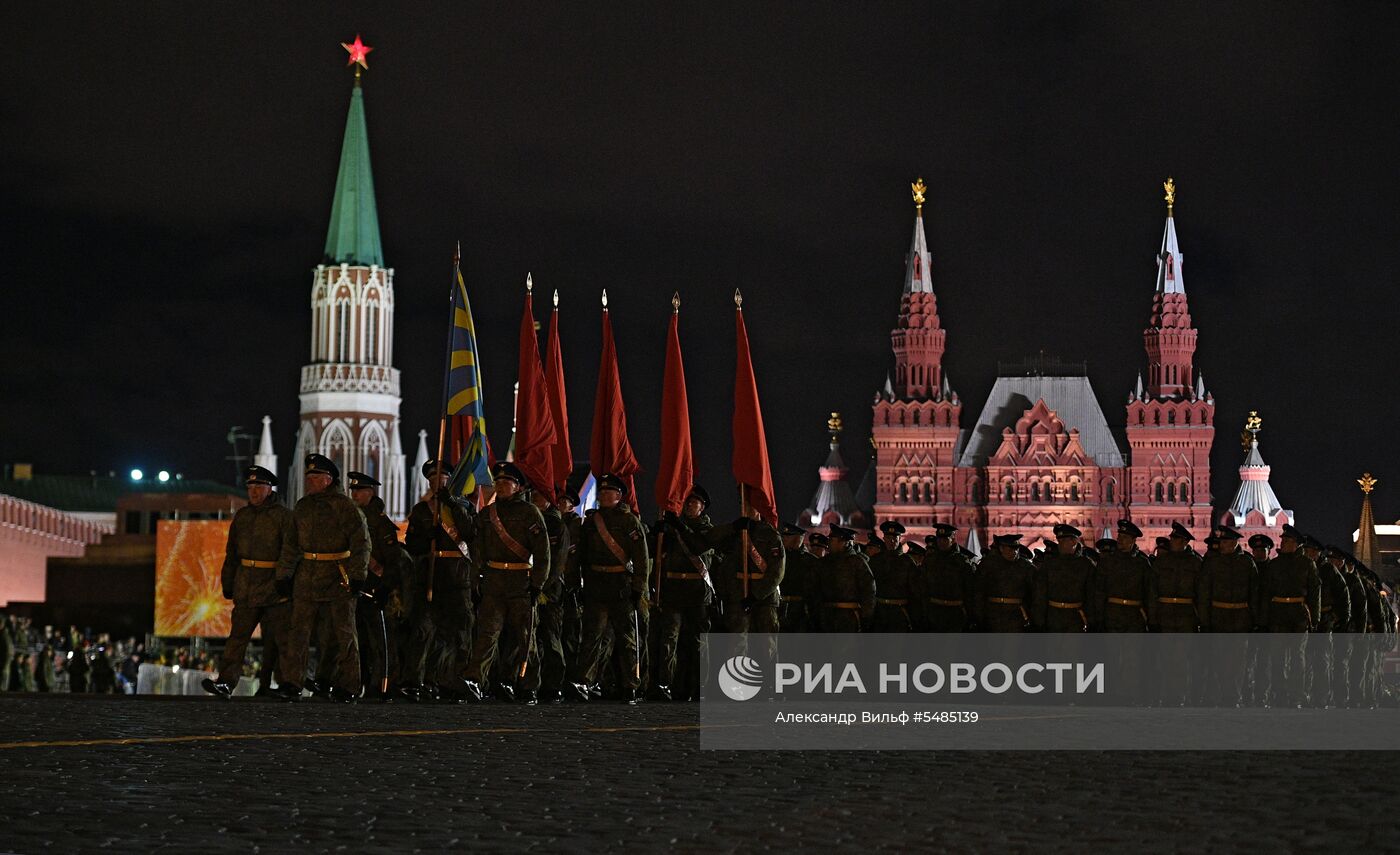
{"points": [[1171, 417], [1035, 491], [904, 491], [1074, 492], [372, 333], [1185, 491], [915, 416], [1008, 489], [342, 332], [1171, 492], [1108, 491], [1159, 492], [928, 492]]}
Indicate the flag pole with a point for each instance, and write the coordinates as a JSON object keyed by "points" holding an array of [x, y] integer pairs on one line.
{"points": [[744, 535], [442, 422]]}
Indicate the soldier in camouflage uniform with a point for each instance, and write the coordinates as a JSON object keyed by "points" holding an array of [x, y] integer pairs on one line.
{"points": [[798, 567], [1061, 590], [510, 565], [1118, 595], [376, 621], [684, 590], [1004, 587], [947, 584], [1329, 644], [571, 605], [438, 593], [896, 584], [819, 545], [1350, 644], [749, 581], [256, 538], [844, 587], [1229, 603], [1172, 600], [1290, 595], [1256, 681], [324, 566], [615, 565], [547, 659]]}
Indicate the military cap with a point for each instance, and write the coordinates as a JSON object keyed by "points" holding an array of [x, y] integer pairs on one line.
{"points": [[259, 475], [570, 496], [916, 549], [1310, 542], [698, 492], [612, 482], [1023, 551], [510, 472], [790, 530], [966, 553], [944, 529], [322, 465], [1292, 533], [1164, 541], [892, 527], [1067, 530], [1335, 552], [1227, 533], [1179, 530], [431, 465], [359, 480], [1261, 541], [873, 539], [1127, 527], [1007, 540], [841, 532], [1211, 540], [1106, 544], [816, 538]]}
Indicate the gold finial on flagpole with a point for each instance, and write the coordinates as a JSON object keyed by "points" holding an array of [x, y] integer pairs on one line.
{"points": [[738, 300], [676, 303], [605, 299], [529, 283], [556, 298]]}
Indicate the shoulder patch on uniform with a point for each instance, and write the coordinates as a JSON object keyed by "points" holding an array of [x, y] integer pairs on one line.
{"points": [[636, 535], [535, 528], [776, 551]]}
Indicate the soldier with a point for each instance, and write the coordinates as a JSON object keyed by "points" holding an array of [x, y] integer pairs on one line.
{"points": [[896, 583], [1289, 596], [1256, 680], [260, 531], [819, 546], [615, 565], [438, 593], [387, 563], [844, 586], [947, 584], [323, 566], [749, 581], [684, 589], [799, 565], [916, 554], [1356, 646], [1229, 603], [1118, 602], [1161, 546], [1062, 587], [1329, 647], [1004, 587], [1381, 625], [548, 660], [571, 605], [510, 565], [7, 650], [1172, 608]]}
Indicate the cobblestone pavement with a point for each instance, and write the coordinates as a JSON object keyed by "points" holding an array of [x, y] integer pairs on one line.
{"points": [[254, 776]]}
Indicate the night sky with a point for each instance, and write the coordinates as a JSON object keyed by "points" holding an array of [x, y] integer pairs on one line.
{"points": [[169, 170]]}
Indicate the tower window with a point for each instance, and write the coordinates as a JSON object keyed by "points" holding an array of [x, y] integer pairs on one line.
{"points": [[1159, 492], [1074, 492], [1171, 492]]}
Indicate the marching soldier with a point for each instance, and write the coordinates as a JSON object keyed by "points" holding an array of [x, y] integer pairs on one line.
{"points": [[759, 572], [323, 567], [256, 538], [1229, 603], [1172, 608], [615, 565], [1357, 646], [572, 603], [819, 545], [439, 600], [844, 586], [896, 581], [1380, 629], [799, 565], [1062, 586], [947, 583], [1004, 587], [916, 554], [1257, 666], [1289, 597], [387, 560], [1329, 647], [685, 590], [548, 659], [510, 564]]}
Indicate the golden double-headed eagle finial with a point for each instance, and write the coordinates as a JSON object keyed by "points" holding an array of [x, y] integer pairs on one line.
{"points": [[1251, 427], [1170, 186], [834, 425], [918, 188], [1367, 483]]}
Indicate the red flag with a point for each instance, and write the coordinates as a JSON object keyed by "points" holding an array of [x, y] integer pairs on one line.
{"points": [[558, 408], [534, 425], [750, 445], [677, 470], [611, 453]]}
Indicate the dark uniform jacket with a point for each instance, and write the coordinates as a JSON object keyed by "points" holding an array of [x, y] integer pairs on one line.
{"points": [[845, 577], [685, 560], [422, 538], [765, 562], [1356, 594], [387, 556], [799, 566], [1003, 593], [1061, 593], [1118, 602], [258, 533], [1172, 595], [608, 577], [326, 523], [947, 585], [1290, 598], [560, 546], [896, 577], [523, 523], [1228, 592], [1335, 613]]}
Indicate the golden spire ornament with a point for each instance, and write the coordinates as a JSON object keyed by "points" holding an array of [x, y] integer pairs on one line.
{"points": [[833, 424], [1251, 427], [675, 302], [738, 300], [1367, 483], [918, 188], [1170, 186]]}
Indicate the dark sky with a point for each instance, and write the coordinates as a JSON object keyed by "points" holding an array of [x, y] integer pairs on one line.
{"points": [[168, 172]]}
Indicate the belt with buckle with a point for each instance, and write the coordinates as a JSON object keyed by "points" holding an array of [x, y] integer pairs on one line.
{"points": [[608, 568], [670, 575], [937, 602], [508, 565], [1219, 605], [1119, 601], [887, 601], [1176, 601], [752, 576], [1288, 600], [788, 598], [844, 605], [1058, 605], [448, 553], [1005, 601], [248, 562], [325, 556]]}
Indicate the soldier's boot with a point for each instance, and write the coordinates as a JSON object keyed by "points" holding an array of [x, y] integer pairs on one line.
{"points": [[504, 692], [472, 690], [661, 692], [631, 697], [577, 692], [340, 696], [529, 698], [220, 690], [289, 692]]}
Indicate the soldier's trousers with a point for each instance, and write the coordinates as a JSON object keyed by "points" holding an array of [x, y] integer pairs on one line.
{"points": [[1358, 664], [1327, 660], [945, 618], [1175, 669], [761, 619], [547, 659], [245, 619], [598, 618], [1287, 665], [891, 618], [340, 662], [498, 610], [571, 637], [1228, 656], [682, 649], [440, 634], [377, 646], [795, 617]]}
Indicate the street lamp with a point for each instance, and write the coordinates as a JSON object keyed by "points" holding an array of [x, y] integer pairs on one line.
{"points": [[137, 474], [162, 476]]}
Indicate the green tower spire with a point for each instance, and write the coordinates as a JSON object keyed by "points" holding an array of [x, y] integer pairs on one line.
{"points": [[353, 237]]}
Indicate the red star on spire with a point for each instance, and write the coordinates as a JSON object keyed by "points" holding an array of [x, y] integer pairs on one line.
{"points": [[358, 51]]}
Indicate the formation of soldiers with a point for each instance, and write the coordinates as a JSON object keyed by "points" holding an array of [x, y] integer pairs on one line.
{"points": [[524, 600]]}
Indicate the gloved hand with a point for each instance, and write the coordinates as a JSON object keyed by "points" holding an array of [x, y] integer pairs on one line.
{"points": [[442, 494], [357, 585], [637, 597], [748, 603], [283, 586], [741, 524], [671, 518]]}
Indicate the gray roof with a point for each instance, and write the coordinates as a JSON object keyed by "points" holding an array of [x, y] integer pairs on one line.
{"points": [[1072, 399]]}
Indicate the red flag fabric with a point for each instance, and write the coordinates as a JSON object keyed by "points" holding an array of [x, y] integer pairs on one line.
{"points": [[750, 462], [534, 423], [610, 451], [563, 454], [676, 472]]}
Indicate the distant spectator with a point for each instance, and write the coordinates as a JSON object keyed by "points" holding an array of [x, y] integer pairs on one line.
{"points": [[78, 668], [104, 676]]}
